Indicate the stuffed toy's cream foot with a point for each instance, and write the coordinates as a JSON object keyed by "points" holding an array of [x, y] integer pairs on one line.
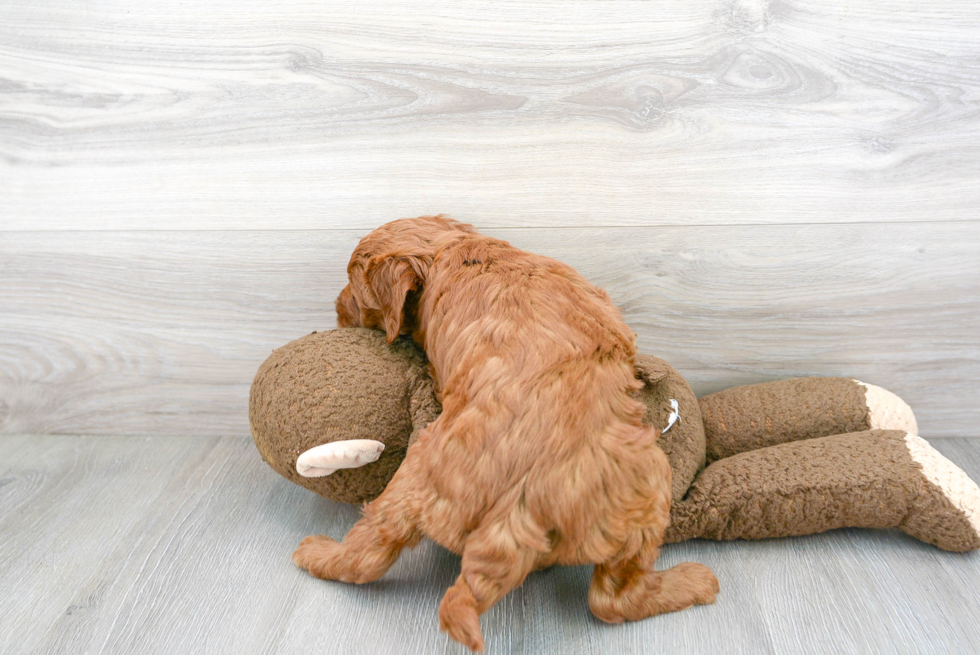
{"points": [[777, 459]]}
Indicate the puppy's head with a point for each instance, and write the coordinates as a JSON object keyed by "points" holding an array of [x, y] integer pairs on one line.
{"points": [[388, 271]]}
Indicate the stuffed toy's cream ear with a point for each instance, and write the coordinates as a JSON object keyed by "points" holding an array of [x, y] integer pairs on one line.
{"points": [[347, 454]]}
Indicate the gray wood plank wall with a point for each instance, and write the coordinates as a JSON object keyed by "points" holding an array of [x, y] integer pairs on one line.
{"points": [[768, 189]]}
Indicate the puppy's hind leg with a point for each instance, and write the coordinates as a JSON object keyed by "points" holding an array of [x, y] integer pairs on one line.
{"points": [[626, 587], [493, 564], [631, 590], [389, 524]]}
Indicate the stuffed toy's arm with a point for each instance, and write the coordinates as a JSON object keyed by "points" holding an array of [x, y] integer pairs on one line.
{"points": [[870, 479], [422, 404], [760, 415]]}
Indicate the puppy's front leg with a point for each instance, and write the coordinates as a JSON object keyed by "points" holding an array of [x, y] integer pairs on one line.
{"points": [[389, 524]]}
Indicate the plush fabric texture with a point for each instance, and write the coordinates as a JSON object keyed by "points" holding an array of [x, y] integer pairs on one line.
{"points": [[865, 479], [341, 384], [758, 415], [684, 443]]}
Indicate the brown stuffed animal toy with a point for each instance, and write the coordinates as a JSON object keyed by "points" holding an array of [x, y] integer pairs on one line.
{"points": [[336, 411]]}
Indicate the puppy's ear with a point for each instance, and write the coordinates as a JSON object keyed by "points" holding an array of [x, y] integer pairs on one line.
{"points": [[391, 277], [348, 312]]}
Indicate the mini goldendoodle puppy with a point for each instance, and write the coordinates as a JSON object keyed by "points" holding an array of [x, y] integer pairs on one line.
{"points": [[539, 456]]}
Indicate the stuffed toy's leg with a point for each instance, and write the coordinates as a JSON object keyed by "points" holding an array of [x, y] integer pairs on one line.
{"points": [[871, 479], [759, 415]]}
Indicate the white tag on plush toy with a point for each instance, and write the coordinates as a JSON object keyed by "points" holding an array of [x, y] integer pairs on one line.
{"points": [[349, 454], [674, 417]]}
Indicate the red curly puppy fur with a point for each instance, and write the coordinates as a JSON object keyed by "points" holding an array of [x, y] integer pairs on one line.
{"points": [[539, 456]]}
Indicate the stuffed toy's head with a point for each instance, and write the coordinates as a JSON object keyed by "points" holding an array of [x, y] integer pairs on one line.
{"points": [[349, 390]]}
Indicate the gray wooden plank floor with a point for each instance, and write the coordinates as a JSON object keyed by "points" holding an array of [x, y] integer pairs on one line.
{"points": [[182, 545]]}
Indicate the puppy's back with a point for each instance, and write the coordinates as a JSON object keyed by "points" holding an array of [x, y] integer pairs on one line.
{"points": [[536, 366]]}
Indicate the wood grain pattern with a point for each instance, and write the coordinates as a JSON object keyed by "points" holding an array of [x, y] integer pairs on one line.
{"points": [[162, 332], [553, 113], [161, 545]]}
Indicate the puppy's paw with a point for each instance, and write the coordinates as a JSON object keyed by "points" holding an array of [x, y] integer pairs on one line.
{"points": [[698, 580], [458, 617], [318, 554]]}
